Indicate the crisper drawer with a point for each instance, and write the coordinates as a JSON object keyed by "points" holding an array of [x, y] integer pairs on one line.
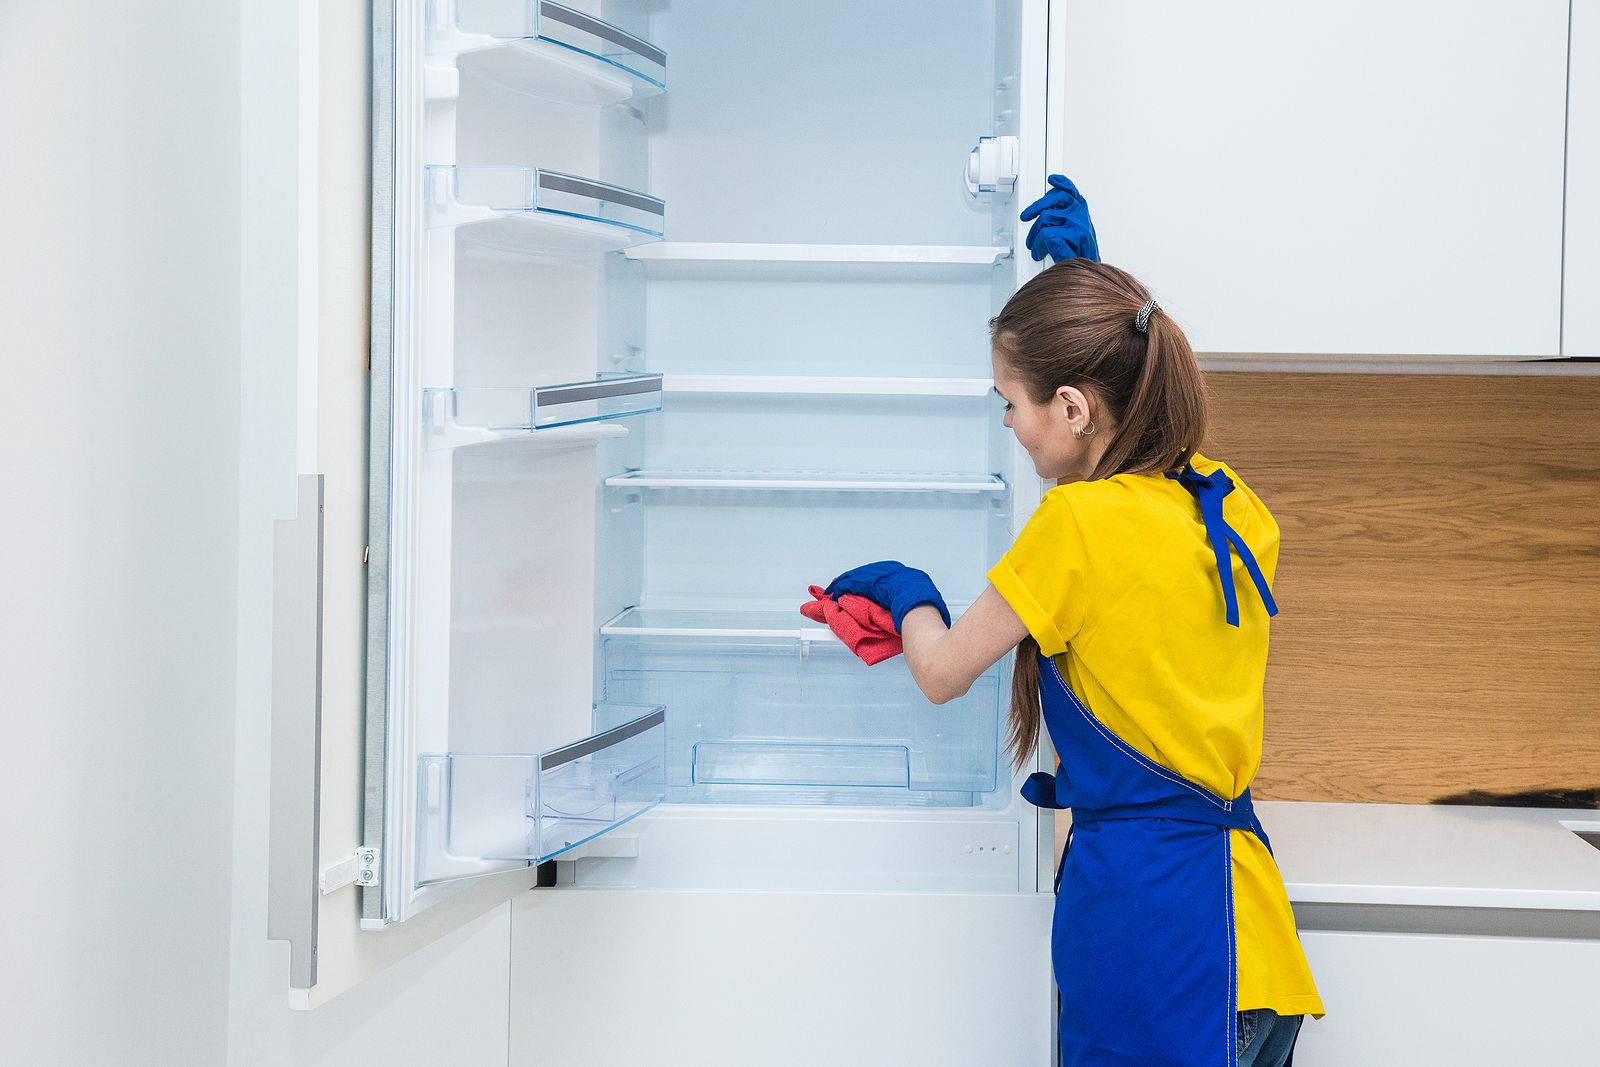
{"points": [[770, 720]]}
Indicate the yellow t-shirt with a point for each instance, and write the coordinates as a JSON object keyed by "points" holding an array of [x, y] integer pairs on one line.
{"points": [[1117, 580]]}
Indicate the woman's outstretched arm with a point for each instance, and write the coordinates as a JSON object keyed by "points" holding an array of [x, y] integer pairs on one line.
{"points": [[946, 661]]}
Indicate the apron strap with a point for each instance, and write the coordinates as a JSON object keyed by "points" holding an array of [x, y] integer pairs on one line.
{"points": [[1040, 791], [1209, 491], [1239, 815]]}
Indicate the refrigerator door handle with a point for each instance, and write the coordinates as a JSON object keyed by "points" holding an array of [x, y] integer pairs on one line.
{"points": [[293, 880]]}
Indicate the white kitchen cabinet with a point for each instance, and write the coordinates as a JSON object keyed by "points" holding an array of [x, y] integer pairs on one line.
{"points": [[1399, 1000], [1580, 307], [1438, 934], [721, 979], [1370, 178]]}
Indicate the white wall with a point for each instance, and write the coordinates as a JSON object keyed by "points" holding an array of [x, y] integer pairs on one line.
{"points": [[119, 326]]}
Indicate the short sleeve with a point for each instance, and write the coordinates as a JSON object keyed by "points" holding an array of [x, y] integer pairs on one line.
{"points": [[1043, 575]]}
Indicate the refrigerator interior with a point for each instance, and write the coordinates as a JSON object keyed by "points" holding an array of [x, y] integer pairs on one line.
{"points": [[700, 320]]}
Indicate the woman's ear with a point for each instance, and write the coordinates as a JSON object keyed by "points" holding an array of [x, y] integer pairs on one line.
{"points": [[1072, 404]]}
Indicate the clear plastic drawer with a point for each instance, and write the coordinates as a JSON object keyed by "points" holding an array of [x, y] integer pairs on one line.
{"points": [[476, 808], [769, 720]]}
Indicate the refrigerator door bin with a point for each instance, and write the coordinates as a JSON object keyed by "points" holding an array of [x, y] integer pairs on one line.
{"points": [[784, 721], [528, 209], [552, 50], [479, 809], [448, 413]]}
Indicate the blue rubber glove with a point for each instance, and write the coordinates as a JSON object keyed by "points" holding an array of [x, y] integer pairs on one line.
{"points": [[892, 585], [1061, 225]]}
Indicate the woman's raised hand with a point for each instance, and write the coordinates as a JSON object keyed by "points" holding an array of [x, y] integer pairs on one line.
{"points": [[1061, 225]]}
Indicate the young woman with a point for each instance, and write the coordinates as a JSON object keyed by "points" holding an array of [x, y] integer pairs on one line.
{"points": [[1137, 599]]}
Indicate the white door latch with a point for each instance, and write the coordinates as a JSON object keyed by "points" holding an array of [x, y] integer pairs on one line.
{"points": [[361, 868], [992, 167]]}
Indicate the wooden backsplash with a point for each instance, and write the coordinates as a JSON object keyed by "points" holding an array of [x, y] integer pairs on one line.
{"points": [[1439, 580]]}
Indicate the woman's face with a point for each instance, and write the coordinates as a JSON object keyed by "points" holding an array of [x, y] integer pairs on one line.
{"points": [[1045, 431]]}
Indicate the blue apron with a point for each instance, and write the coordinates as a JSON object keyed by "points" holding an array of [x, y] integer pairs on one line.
{"points": [[1143, 935]]}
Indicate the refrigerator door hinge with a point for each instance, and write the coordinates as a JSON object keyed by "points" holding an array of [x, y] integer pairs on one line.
{"points": [[360, 869], [992, 167]]}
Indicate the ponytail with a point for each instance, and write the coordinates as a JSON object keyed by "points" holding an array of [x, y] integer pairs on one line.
{"points": [[1164, 415], [1078, 324], [1023, 726]]}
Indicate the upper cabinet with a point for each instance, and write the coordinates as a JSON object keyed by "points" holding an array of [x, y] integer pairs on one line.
{"points": [[1364, 178], [1580, 310]]}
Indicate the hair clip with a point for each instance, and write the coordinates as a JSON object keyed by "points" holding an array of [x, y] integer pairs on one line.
{"points": [[1141, 321]]}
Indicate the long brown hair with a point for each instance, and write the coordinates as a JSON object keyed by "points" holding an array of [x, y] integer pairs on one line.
{"points": [[1073, 324]]}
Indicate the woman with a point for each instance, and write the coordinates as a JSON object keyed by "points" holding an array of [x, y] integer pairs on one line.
{"points": [[1137, 599]]}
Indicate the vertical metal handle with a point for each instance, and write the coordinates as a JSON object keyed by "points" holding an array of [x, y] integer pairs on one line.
{"points": [[293, 891]]}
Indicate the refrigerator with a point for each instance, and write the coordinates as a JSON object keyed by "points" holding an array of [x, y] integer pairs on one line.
{"points": [[679, 307]]}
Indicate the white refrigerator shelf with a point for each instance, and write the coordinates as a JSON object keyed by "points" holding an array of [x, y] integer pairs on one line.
{"points": [[552, 51], [809, 385], [812, 481], [690, 259], [716, 624], [529, 209]]}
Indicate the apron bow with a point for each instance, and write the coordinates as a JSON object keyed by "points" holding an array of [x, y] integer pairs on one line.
{"points": [[1209, 491]]}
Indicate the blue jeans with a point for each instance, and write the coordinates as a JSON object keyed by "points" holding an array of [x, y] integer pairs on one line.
{"points": [[1266, 1038]]}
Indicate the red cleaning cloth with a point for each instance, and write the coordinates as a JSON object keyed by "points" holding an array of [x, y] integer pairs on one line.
{"points": [[865, 628]]}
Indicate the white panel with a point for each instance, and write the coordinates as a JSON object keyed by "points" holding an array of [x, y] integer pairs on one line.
{"points": [[1368, 177], [684, 846], [522, 320], [1399, 1000], [857, 325], [522, 600], [447, 1004], [821, 432], [120, 330], [776, 547], [1581, 308], [833, 121], [781, 979]]}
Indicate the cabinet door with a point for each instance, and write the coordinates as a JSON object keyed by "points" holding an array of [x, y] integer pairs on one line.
{"points": [[1402, 999], [1580, 310], [1374, 177]]}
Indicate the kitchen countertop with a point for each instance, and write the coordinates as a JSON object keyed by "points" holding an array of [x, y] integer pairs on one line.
{"points": [[1423, 855]]}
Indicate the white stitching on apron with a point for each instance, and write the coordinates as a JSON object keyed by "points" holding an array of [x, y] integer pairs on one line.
{"points": [[1130, 751]]}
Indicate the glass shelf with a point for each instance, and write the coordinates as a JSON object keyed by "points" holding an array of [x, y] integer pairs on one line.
{"points": [[813, 481], [717, 261], [463, 416], [553, 51], [476, 808], [808, 385], [755, 720], [724, 623], [527, 209]]}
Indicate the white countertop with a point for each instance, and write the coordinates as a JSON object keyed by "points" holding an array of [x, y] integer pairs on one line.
{"points": [[1435, 855]]}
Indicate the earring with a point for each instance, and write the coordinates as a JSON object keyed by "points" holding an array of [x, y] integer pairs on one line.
{"points": [[1084, 431]]}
